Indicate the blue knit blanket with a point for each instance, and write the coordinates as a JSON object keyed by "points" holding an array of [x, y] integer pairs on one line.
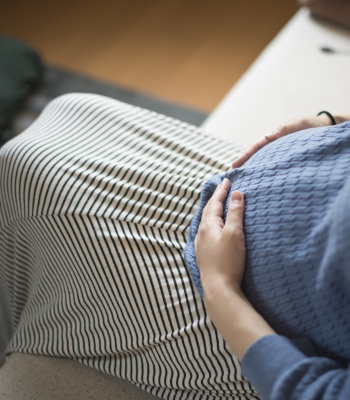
{"points": [[297, 229]]}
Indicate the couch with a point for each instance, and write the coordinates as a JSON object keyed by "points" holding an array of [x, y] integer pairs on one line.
{"points": [[291, 77]]}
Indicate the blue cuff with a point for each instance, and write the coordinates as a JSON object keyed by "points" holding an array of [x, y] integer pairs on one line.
{"points": [[269, 358]]}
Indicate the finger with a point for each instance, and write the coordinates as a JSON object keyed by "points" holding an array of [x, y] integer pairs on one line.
{"points": [[219, 197], [226, 184], [220, 194], [251, 150], [222, 190], [235, 212], [212, 218], [214, 209], [278, 132], [294, 125]]}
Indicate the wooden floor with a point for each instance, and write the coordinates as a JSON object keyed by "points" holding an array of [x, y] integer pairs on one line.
{"points": [[187, 51]]}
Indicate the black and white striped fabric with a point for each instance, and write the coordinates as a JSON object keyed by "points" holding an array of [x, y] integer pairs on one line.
{"points": [[96, 201]]}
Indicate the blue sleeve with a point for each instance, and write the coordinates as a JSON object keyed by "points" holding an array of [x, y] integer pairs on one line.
{"points": [[281, 371]]}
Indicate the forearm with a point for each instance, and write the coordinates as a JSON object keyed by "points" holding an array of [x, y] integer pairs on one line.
{"points": [[233, 315], [280, 370], [276, 368]]}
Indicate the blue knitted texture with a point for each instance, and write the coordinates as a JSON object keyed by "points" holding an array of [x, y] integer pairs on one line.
{"points": [[297, 229]]}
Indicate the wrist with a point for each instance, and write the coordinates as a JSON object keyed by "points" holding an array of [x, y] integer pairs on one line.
{"points": [[324, 120], [216, 286], [234, 316], [340, 118], [221, 296]]}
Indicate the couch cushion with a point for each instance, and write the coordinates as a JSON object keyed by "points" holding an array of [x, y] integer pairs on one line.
{"points": [[335, 10], [28, 376]]}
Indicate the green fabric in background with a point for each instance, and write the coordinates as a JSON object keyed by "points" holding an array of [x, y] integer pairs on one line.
{"points": [[20, 72]]}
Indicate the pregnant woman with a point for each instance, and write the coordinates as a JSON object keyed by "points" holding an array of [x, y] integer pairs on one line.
{"points": [[96, 201], [297, 224]]}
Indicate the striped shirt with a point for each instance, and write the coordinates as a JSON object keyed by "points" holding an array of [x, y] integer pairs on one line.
{"points": [[96, 199]]}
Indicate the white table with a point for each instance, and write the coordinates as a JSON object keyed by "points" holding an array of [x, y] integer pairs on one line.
{"points": [[291, 77]]}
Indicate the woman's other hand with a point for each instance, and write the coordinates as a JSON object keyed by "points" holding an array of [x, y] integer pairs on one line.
{"points": [[294, 125], [220, 254]]}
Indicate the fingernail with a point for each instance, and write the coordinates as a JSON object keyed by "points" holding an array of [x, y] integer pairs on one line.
{"points": [[271, 136], [224, 181], [236, 196]]}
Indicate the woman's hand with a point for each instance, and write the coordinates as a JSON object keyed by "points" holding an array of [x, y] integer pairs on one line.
{"points": [[219, 247], [220, 254], [294, 125]]}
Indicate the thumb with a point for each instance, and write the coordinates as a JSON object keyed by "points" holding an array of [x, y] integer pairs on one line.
{"points": [[234, 219]]}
